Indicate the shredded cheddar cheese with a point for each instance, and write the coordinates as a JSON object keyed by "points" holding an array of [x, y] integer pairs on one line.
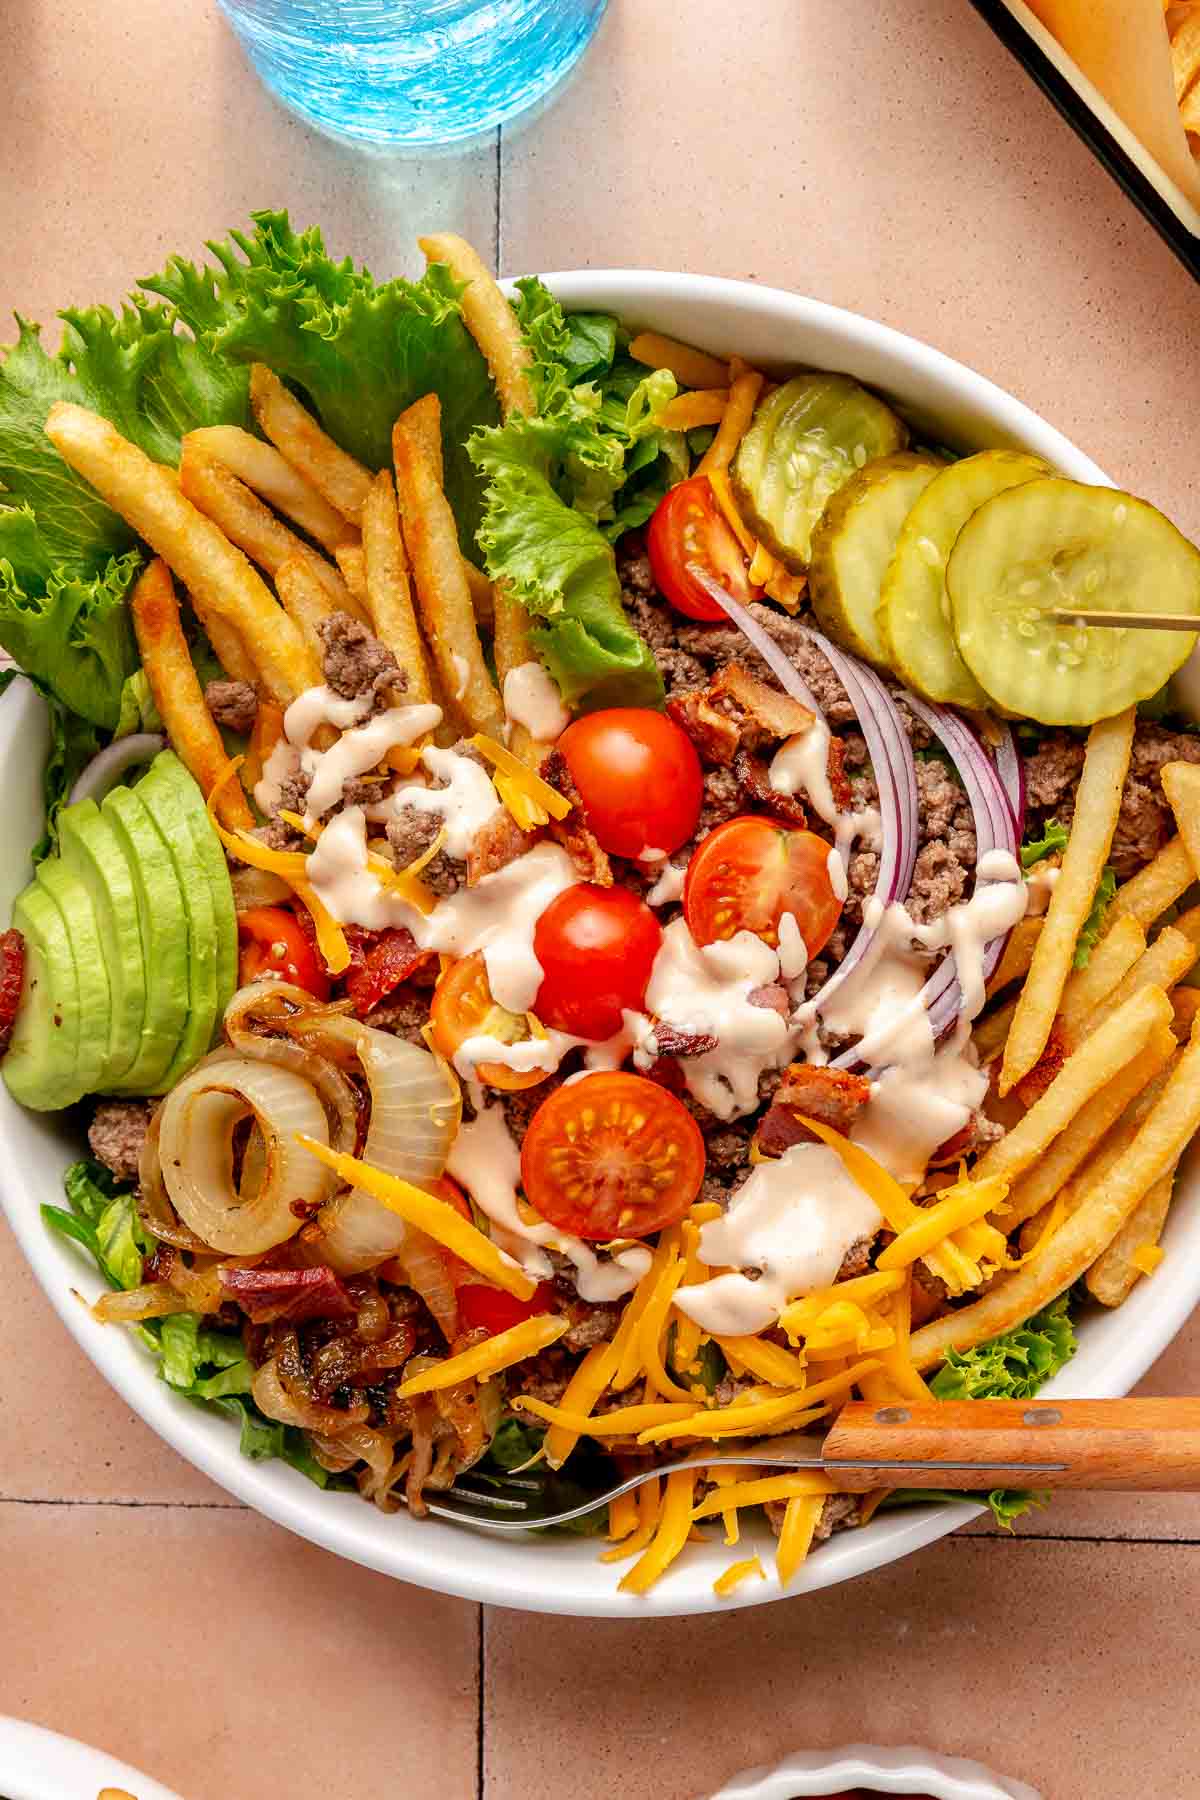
{"points": [[498, 1352], [429, 1214], [795, 1539], [770, 1362], [622, 1516], [724, 1475], [686, 412], [1147, 1257], [691, 368], [753, 1414], [743, 397], [629, 1358], [579, 1397], [674, 1527], [768, 1487], [962, 1204], [738, 1572], [623, 1421], [649, 1505], [529, 799]]}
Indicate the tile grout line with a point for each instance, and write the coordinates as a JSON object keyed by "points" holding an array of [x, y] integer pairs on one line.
{"points": [[480, 1702], [1050, 1537], [155, 1505]]}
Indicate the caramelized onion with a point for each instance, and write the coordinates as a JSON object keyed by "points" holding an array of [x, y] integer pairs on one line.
{"points": [[288, 1407]]}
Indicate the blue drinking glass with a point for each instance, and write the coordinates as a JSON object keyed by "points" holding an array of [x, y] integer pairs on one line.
{"points": [[411, 72]]}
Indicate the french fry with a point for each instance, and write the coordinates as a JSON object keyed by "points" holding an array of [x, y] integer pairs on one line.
{"points": [[227, 645], [389, 596], [691, 368], [1185, 1002], [304, 600], [431, 541], [177, 693], [482, 596], [341, 481], [1096, 808], [1018, 954], [489, 319], [248, 523], [222, 582], [1147, 895], [1113, 1275], [273, 478], [989, 1034], [350, 560], [1084, 1073], [1165, 962], [1039, 1184], [268, 729], [1185, 52], [1189, 924], [1163, 1137], [1108, 965]]}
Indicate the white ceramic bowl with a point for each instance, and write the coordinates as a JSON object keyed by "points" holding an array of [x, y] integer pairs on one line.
{"points": [[36, 1764], [562, 1575], [891, 1771]]}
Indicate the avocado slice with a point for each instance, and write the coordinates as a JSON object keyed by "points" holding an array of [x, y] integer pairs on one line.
{"points": [[159, 795], [40, 1068], [90, 849], [83, 934], [167, 767], [163, 928]]}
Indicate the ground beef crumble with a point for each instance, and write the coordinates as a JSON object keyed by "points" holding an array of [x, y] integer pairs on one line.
{"points": [[117, 1133], [233, 705], [356, 664]]}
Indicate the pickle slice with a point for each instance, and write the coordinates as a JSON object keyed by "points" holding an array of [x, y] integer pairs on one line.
{"points": [[805, 441], [853, 543], [914, 607], [1055, 543]]}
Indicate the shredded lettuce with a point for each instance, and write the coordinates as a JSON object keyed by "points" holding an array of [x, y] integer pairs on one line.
{"points": [[1052, 843], [1013, 1366], [138, 711], [1093, 925], [1007, 1504], [103, 1218]]}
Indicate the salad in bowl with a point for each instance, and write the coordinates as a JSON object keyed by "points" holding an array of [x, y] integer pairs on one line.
{"points": [[596, 899]]}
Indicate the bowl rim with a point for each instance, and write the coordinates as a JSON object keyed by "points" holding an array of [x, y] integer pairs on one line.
{"points": [[39, 1764], [892, 1769], [563, 1576]]}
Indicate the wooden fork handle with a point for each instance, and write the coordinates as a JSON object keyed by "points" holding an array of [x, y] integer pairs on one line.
{"points": [[1123, 1445]]}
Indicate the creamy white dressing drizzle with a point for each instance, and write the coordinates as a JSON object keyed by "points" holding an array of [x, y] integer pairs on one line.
{"points": [[668, 888], [1041, 882], [705, 990], [321, 706], [360, 748], [486, 1161], [791, 1223], [793, 951], [802, 765], [280, 766], [531, 699], [465, 804]]}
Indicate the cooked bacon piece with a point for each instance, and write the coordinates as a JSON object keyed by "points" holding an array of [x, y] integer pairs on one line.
{"points": [[379, 962], [12, 974], [583, 848], [978, 1132], [757, 791], [773, 998], [495, 845], [715, 735], [1032, 1086], [736, 712], [831, 1096], [839, 781], [297, 1295], [555, 771], [670, 1042]]}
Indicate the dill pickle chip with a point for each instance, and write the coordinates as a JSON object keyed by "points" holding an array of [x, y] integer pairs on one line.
{"points": [[1050, 544], [853, 543], [914, 607], [806, 440]]}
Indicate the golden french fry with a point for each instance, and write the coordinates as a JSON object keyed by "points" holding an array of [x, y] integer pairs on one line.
{"points": [[337, 477], [222, 582], [1083, 1074], [1018, 954], [691, 368], [1113, 1275], [389, 597], [225, 499], [1147, 895], [177, 692], [1167, 961], [227, 645], [482, 597], [1037, 1187], [1096, 808], [1189, 924], [1185, 51], [1181, 785], [443, 596], [268, 729], [989, 1034], [305, 601], [1185, 1002], [273, 478], [1107, 966], [350, 560], [489, 319], [1163, 1137]]}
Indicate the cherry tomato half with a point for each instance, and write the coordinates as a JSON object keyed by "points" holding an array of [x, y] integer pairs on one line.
{"points": [[272, 942], [611, 1156], [750, 871], [638, 777], [463, 1008], [596, 946], [689, 527], [484, 1308]]}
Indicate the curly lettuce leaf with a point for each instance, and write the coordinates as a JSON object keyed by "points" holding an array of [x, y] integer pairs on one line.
{"points": [[361, 351], [1052, 843], [1013, 1366], [1093, 925], [72, 634], [1007, 1504]]}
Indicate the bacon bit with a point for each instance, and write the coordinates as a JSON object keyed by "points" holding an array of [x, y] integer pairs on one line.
{"points": [[495, 845], [556, 773], [379, 962], [715, 734], [12, 974], [573, 832], [762, 712], [772, 998], [1032, 1086], [297, 1295], [670, 1042], [839, 781], [978, 1132], [752, 778], [832, 1096]]}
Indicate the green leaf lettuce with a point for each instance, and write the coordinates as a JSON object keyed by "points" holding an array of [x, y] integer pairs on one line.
{"points": [[1013, 1366]]}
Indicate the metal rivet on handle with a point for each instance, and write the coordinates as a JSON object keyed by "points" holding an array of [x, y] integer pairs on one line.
{"points": [[1042, 1415], [893, 1415]]}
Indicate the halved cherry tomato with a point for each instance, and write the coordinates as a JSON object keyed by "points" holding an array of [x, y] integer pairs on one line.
{"points": [[689, 527], [490, 1309], [638, 777], [750, 871], [463, 1008], [612, 1156], [272, 942], [597, 947]]}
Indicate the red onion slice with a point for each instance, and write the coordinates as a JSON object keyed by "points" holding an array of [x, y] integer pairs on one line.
{"points": [[107, 767], [887, 744], [1010, 767]]}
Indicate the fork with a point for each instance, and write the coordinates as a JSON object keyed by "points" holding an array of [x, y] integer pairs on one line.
{"points": [[1113, 1445]]}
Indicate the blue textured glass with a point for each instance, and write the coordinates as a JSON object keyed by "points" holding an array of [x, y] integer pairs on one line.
{"points": [[411, 71]]}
